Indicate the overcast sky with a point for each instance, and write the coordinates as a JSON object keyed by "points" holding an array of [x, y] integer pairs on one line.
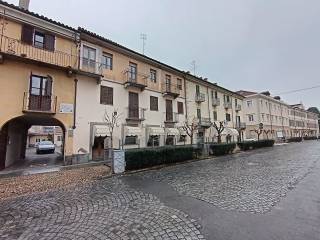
{"points": [[240, 44]]}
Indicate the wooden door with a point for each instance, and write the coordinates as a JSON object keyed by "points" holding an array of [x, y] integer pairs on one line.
{"points": [[133, 105], [169, 110], [40, 93], [3, 146]]}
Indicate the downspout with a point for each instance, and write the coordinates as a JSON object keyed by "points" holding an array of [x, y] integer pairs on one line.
{"points": [[185, 97], [75, 103]]}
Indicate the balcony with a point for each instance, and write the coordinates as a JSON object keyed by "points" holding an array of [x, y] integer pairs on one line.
{"points": [[90, 66], [170, 90], [135, 114], [171, 117], [135, 80], [227, 105], [215, 102], [39, 104], [204, 122], [241, 125], [200, 97], [15, 48], [238, 107]]}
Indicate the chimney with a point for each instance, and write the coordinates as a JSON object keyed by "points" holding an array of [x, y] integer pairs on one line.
{"points": [[24, 4], [277, 98]]}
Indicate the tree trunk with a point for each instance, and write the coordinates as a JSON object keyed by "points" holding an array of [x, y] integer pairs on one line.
{"points": [[219, 138]]}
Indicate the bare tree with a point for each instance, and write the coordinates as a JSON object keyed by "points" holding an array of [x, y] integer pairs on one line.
{"points": [[190, 128], [266, 132], [258, 132], [219, 129], [112, 121]]}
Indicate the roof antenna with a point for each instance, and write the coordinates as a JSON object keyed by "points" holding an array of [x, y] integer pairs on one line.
{"points": [[194, 67], [143, 37]]}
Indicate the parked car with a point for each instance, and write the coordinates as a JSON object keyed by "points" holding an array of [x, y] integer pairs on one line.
{"points": [[45, 147]]}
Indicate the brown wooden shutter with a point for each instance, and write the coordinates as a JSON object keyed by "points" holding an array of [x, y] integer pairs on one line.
{"points": [[153, 103], [106, 95], [49, 42], [27, 34], [49, 86], [180, 107]]}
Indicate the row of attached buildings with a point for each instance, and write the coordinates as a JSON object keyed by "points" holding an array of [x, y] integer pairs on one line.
{"points": [[54, 75]]}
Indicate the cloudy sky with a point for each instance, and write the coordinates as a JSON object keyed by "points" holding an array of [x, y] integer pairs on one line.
{"points": [[240, 44]]}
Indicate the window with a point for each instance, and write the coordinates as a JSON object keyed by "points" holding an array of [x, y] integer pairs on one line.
{"points": [[107, 61], [182, 138], [180, 108], [197, 89], [89, 56], [215, 116], [131, 140], [153, 75], [262, 116], [133, 71], [154, 141], [179, 84], [39, 40], [106, 95], [228, 117], [170, 140], [153, 103], [250, 117], [249, 104], [236, 102], [226, 99]]}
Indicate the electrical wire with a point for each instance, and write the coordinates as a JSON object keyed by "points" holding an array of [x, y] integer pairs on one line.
{"points": [[299, 90]]}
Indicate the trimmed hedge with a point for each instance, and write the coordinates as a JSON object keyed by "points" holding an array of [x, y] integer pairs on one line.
{"points": [[310, 138], [150, 157], [222, 149], [244, 146], [294, 139]]}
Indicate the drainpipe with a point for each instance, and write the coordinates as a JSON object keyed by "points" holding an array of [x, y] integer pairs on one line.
{"points": [[75, 103], [185, 97]]}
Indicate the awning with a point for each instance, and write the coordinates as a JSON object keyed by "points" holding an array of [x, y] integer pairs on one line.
{"points": [[280, 134], [172, 132], [182, 132], [154, 131], [132, 131], [101, 131], [230, 131]]}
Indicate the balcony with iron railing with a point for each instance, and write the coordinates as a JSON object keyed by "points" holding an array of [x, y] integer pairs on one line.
{"points": [[204, 122], [227, 105], [215, 102], [135, 79], [16, 48], [171, 117], [241, 125], [238, 107], [170, 90], [39, 104], [200, 97], [135, 114], [91, 66]]}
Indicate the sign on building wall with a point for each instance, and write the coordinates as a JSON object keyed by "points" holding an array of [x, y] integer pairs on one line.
{"points": [[66, 108]]}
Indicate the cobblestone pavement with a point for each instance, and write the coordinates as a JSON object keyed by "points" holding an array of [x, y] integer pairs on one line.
{"points": [[107, 209], [249, 182]]}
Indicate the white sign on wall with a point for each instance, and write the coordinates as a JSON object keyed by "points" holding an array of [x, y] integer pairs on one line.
{"points": [[66, 108]]}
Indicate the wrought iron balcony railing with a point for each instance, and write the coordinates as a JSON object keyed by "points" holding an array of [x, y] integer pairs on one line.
{"points": [[37, 103], [238, 107], [205, 122], [228, 105], [171, 117], [170, 89], [17, 48], [135, 79], [200, 97], [135, 113], [241, 125], [215, 102]]}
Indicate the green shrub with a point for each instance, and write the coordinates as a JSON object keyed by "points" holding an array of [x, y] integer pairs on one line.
{"points": [[244, 146], [222, 149], [149, 157], [295, 139], [310, 138]]}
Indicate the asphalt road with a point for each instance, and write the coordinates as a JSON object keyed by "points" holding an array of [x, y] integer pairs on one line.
{"points": [[265, 194]]}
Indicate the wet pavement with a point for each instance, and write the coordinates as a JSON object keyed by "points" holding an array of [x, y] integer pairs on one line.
{"points": [[270, 193]]}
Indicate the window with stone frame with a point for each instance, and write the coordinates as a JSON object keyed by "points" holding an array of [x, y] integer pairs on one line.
{"points": [[180, 108]]}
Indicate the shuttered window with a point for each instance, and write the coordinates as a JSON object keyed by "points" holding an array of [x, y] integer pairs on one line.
{"points": [[180, 108], [37, 38], [106, 95], [49, 42], [153, 103]]}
